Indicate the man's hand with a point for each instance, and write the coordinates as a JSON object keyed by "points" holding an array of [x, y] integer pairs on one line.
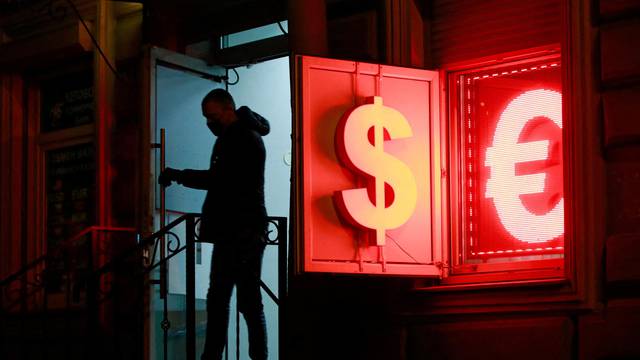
{"points": [[167, 176]]}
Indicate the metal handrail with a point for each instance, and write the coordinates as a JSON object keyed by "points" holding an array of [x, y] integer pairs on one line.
{"points": [[155, 240], [95, 285], [189, 246], [150, 240], [27, 290], [32, 276], [64, 244], [100, 228], [9, 279]]}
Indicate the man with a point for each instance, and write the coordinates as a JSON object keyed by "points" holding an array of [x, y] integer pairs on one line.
{"points": [[233, 217]]}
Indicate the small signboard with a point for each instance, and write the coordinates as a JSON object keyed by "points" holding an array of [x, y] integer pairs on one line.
{"points": [[370, 157], [67, 102], [70, 191]]}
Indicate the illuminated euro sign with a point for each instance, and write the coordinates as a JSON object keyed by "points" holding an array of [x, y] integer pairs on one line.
{"points": [[504, 186], [355, 149]]}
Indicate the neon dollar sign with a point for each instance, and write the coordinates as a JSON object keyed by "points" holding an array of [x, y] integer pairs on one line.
{"points": [[504, 186], [365, 157]]}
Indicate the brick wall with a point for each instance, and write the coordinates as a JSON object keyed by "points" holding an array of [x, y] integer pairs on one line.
{"points": [[615, 332], [611, 330]]}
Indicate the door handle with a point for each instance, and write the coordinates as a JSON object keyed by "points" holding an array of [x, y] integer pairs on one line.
{"points": [[163, 214]]}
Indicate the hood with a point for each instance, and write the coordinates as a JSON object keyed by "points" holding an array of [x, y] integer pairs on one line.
{"points": [[253, 120]]}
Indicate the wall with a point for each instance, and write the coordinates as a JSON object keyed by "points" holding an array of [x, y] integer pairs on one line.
{"points": [[342, 317], [43, 41], [335, 317], [614, 332]]}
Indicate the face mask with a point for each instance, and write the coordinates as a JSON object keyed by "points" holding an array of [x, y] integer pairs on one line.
{"points": [[215, 127]]}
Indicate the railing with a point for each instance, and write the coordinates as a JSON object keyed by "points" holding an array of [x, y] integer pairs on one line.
{"points": [[100, 279], [34, 273], [53, 284], [276, 236]]}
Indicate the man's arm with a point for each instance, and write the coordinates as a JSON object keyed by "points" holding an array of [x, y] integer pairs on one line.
{"points": [[195, 179]]}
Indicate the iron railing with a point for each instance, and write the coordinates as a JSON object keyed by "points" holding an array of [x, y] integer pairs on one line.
{"points": [[52, 287], [109, 275]]}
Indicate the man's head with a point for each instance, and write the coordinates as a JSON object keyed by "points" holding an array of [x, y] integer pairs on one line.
{"points": [[219, 109]]}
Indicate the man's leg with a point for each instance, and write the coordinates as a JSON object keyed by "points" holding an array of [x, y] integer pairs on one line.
{"points": [[250, 300], [221, 281]]}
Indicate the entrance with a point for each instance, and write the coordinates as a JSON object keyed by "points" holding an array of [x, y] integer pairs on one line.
{"points": [[178, 84]]}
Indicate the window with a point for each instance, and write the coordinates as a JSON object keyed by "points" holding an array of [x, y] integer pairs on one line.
{"points": [[506, 164], [66, 171], [67, 101], [255, 34]]}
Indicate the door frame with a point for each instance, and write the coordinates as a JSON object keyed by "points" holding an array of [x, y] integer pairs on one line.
{"points": [[154, 56]]}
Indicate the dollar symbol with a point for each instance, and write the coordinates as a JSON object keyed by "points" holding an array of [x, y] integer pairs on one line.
{"points": [[504, 186], [369, 159]]}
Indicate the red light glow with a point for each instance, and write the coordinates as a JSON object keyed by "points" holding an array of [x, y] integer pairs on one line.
{"points": [[512, 171], [504, 186], [370, 170]]}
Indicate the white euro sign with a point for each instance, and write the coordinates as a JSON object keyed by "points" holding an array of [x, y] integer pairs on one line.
{"points": [[504, 186]]}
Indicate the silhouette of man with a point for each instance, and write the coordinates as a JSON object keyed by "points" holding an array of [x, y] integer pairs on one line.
{"points": [[233, 218]]}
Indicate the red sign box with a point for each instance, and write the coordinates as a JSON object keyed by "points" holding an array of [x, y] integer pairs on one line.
{"points": [[369, 149], [512, 154]]}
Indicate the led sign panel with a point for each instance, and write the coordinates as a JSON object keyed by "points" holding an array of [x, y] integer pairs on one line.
{"points": [[512, 158], [369, 154]]}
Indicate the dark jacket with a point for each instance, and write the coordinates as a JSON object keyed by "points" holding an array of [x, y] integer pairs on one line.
{"points": [[235, 179]]}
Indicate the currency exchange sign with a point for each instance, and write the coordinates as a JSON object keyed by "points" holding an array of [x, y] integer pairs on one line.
{"points": [[513, 163], [505, 152], [390, 177], [371, 170]]}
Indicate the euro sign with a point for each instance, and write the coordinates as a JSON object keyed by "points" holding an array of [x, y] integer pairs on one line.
{"points": [[364, 157], [504, 186]]}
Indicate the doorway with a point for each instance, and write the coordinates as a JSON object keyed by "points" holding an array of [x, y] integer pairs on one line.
{"points": [[178, 84]]}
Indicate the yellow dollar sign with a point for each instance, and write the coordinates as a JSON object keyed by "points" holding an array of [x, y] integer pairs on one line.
{"points": [[361, 155]]}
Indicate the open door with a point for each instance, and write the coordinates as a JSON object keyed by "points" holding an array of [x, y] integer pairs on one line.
{"points": [[177, 84]]}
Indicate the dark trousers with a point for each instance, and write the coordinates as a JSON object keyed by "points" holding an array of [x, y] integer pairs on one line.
{"points": [[238, 262]]}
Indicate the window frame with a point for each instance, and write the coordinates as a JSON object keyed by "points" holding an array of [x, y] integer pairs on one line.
{"points": [[579, 288], [455, 272]]}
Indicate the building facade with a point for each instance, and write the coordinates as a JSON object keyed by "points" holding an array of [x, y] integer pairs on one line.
{"points": [[77, 123]]}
